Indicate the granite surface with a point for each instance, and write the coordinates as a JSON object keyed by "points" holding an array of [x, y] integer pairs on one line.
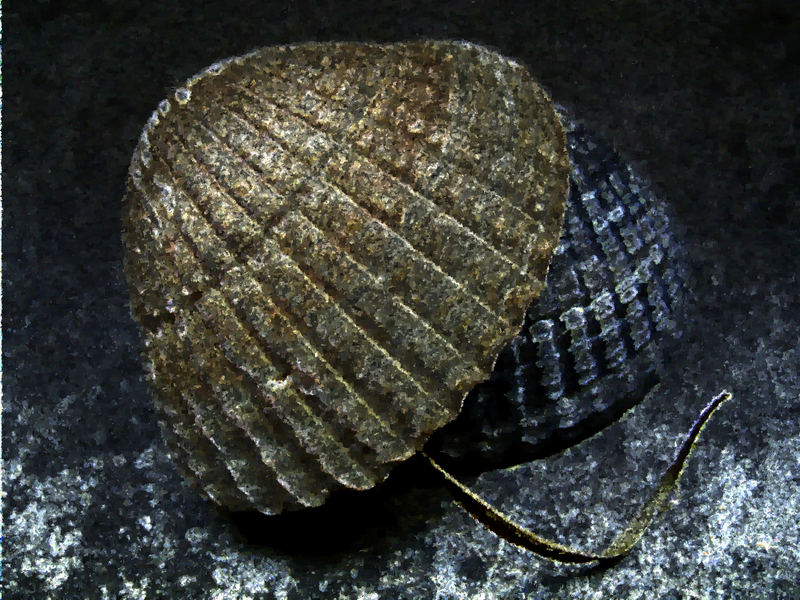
{"points": [[702, 101]]}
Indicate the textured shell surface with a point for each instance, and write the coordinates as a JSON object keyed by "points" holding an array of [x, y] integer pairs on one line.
{"points": [[601, 335], [327, 246]]}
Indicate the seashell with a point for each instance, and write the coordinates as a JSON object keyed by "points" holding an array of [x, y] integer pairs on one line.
{"points": [[589, 348], [327, 246]]}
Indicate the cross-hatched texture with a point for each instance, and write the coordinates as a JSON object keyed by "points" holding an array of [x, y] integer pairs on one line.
{"points": [[595, 341], [327, 247]]}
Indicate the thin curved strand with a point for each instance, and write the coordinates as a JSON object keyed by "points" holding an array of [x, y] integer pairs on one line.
{"points": [[503, 526]]}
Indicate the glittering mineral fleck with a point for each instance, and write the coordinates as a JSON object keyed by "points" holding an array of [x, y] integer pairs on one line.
{"points": [[327, 246]]}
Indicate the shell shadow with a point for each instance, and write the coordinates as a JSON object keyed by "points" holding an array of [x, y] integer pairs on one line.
{"points": [[351, 520]]}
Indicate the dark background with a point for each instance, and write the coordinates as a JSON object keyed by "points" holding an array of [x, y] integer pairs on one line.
{"points": [[700, 98]]}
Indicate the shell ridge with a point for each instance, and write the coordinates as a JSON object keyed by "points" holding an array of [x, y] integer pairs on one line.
{"points": [[234, 420], [389, 170], [244, 419], [527, 142], [296, 411], [201, 476], [231, 272], [429, 203], [360, 265], [417, 255], [164, 376], [211, 475], [343, 471], [352, 474], [242, 410], [306, 331], [246, 432], [602, 242], [342, 475], [254, 490], [415, 320], [435, 215], [627, 257], [462, 174], [330, 287], [519, 214]]}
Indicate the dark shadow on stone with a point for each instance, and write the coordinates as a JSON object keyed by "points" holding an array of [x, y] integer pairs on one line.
{"points": [[351, 520], [516, 451]]}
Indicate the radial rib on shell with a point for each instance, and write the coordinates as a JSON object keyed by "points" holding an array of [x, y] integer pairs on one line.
{"points": [[327, 246]]}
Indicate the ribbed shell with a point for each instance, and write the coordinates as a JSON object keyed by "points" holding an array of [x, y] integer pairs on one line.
{"points": [[327, 246]]}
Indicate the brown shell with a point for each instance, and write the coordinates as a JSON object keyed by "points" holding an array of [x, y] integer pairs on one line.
{"points": [[327, 246]]}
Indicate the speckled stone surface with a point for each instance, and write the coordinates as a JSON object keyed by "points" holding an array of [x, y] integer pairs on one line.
{"points": [[702, 103]]}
